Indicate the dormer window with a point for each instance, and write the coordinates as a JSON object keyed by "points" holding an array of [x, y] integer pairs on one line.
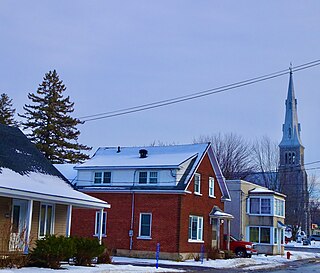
{"points": [[102, 177], [148, 177]]}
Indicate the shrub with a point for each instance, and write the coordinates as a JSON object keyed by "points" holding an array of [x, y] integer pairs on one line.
{"points": [[229, 254], [213, 253], [86, 249], [51, 250], [105, 257]]}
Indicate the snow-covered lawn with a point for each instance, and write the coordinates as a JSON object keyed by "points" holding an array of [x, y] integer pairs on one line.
{"points": [[148, 265], [313, 244]]}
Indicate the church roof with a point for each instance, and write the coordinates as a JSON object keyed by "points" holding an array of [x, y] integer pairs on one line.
{"points": [[291, 127]]}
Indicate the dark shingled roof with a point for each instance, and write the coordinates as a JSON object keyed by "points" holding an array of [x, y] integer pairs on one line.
{"points": [[18, 154]]}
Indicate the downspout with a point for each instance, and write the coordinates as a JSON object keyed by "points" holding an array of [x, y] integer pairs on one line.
{"points": [[132, 212]]}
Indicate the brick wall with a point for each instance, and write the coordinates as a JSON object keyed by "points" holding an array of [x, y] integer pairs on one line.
{"points": [[170, 217]]}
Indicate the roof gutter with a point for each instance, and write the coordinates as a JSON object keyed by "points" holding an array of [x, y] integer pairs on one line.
{"points": [[14, 193]]}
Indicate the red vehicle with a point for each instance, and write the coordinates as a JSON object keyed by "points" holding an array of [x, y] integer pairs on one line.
{"points": [[242, 249]]}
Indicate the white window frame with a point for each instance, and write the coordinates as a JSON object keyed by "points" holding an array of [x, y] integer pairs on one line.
{"points": [[197, 183], [45, 219], [199, 222], [211, 187], [97, 223], [279, 205], [102, 177], [149, 178], [140, 225], [260, 206], [271, 233]]}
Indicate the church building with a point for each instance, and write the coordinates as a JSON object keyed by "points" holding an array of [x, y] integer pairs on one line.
{"points": [[292, 173]]}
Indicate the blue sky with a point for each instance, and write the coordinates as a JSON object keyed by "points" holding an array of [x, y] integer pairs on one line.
{"points": [[117, 54]]}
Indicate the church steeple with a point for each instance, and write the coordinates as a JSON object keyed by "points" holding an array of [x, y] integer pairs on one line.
{"points": [[291, 127]]}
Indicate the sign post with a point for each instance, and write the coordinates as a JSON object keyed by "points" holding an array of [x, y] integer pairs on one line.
{"points": [[157, 255]]}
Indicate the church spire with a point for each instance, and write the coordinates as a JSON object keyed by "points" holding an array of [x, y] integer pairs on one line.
{"points": [[291, 127]]}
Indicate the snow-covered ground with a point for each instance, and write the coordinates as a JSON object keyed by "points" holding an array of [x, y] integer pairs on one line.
{"points": [[313, 244], [148, 265]]}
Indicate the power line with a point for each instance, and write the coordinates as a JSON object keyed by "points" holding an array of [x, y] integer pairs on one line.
{"points": [[200, 94]]}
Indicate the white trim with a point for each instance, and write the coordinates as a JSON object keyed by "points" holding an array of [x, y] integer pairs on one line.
{"points": [[150, 223], [45, 219], [259, 234], [97, 217], [69, 216], [199, 228], [211, 179], [42, 197], [28, 225], [197, 176]]}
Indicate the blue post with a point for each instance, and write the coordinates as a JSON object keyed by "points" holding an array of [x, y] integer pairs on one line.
{"points": [[202, 253], [157, 255]]}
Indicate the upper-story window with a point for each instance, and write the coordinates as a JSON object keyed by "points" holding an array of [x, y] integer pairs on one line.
{"points": [[290, 157], [279, 207], [102, 177], [197, 183], [211, 187], [259, 205], [148, 177]]}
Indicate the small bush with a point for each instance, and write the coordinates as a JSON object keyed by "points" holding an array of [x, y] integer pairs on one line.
{"points": [[213, 254], [86, 249], [51, 250], [13, 260], [229, 254], [197, 257], [105, 258]]}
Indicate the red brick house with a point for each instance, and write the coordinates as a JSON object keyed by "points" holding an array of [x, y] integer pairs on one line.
{"points": [[172, 195]]}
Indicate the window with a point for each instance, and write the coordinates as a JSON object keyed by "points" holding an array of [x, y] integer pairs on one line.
{"points": [[264, 235], [259, 235], [279, 207], [97, 177], [265, 206], [143, 177], [145, 225], [211, 187], [275, 236], [100, 177], [46, 220], [153, 179], [104, 224], [254, 205], [148, 177], [195, 228], [197, 184], [259, 205], [254, 234]]}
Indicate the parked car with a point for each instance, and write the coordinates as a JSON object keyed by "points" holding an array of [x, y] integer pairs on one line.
{"points": [[314, 238], [241, 248]]}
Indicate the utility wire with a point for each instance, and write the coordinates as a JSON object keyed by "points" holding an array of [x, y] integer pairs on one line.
{"points": [[204, 93]]}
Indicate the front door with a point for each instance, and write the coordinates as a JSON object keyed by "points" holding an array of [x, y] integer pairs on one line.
{"points": [[214, 242], [18, 225]]}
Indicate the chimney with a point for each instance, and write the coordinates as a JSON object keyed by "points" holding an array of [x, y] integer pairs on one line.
{"points": [[143, 153], [119, 150]]}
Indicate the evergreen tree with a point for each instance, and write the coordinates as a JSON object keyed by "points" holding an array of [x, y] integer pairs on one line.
{"points": [[6, 111], [51, 127]]}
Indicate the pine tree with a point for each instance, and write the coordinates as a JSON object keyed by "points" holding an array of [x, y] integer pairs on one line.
{"points": [[6, 111], [53, 130]]}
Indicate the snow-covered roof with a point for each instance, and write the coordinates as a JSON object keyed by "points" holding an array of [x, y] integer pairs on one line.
{"points": [[157, 156], [262, 190], [68, 171], [26, 173], [44, 187]]}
